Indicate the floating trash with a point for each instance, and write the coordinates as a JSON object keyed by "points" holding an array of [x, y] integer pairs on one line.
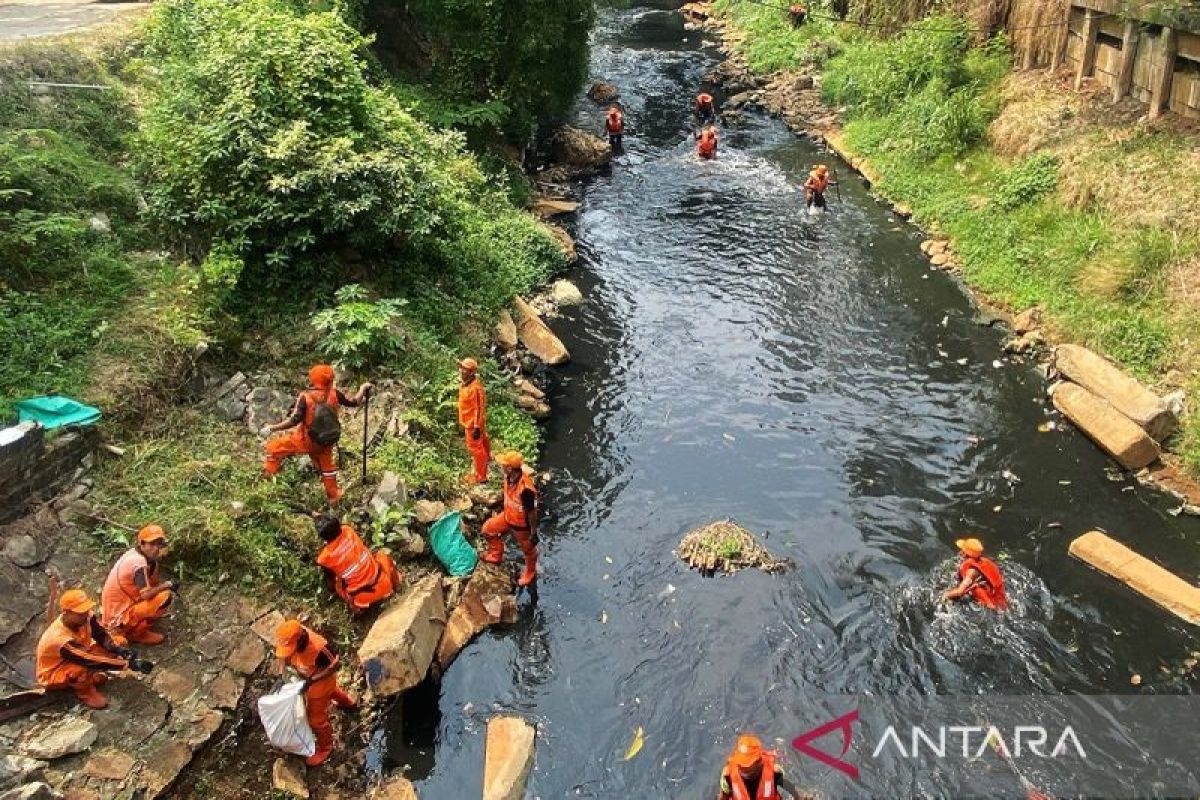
{"points": [[726, 546]]}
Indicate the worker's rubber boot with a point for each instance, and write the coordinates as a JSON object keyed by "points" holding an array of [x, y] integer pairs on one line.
{"points": [[494, 553], [324, 735], [530, 573], [89, 695]]}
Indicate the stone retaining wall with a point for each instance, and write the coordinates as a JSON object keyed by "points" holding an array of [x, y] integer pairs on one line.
{"points": [[35, 465]]}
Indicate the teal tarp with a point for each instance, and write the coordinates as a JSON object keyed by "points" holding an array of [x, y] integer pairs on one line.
{"points": [[54, 412], [451, 547]]}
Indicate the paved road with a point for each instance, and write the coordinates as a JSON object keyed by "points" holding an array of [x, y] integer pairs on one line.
{"points": [[29, 19]]}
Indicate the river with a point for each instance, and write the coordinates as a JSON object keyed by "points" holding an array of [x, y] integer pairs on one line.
{"points": [[822, 385]]}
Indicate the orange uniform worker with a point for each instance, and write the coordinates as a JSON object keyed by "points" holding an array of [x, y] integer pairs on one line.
{"points": [[472, 416], [518, 517], [797, 13], [315, 428], [979, 578], [706, 143], [308, 653], [77, 653], [135, 596], [815, 187], [752, 773], [614, 123], [706, 109], [359, 577]]}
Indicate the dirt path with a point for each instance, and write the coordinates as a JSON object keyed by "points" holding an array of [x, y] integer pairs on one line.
{"points": [[30, 19]]}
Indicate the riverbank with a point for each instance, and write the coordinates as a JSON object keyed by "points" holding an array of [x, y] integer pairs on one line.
{"points": [[1064, 204]]}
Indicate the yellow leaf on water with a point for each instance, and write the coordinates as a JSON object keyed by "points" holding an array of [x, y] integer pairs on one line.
{"points": [[635, 746]]}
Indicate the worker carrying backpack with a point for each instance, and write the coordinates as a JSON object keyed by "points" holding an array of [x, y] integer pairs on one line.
{"points": [[324, 429]]}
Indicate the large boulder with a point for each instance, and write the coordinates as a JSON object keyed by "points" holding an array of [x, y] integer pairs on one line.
{"points": [[505, 332], [578, 148], [508, 758], [1082, 366], [546, 207], [1107, 427], [564, 241], [397, 788], [487, 600], [62, 737], [536, 336], [400, 645], [603, 92], [1140, 574], [390, 491], [565, 294]]}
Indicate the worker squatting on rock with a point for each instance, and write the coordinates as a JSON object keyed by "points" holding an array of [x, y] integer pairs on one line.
{"points": [[359, 577], [135, 596], [472, 416], [519, 516], [815, 187], [76, 652], [979, 578], [752, 773], [314, 428], [309, 655], [614, 124]]}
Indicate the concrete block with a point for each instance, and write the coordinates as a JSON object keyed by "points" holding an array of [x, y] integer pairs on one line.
{"points": [[1140, 574], [508, 758], [487, 600], [1116, 434], [399, 648], [536, 336], [1125, 394]]}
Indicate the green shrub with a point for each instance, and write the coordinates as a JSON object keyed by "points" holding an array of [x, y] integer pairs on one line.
{"points": [[359, 333], [1025, 181]]}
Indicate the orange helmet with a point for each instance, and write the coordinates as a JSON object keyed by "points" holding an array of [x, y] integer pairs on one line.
{"points": [[747, 752], [822, 170], [970, 547], [469, 363], [151, 533], [286, 637], [321, 376], [76, 600], [510, 459]]}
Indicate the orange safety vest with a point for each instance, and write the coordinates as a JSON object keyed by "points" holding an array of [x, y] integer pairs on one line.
{"points": [[615, 122], [707, 146], [120, 592], [817, 183], [514, 511], [350, 560], [49, 649], [472, 405], [766, 783], [989, 594], [305, 661]]}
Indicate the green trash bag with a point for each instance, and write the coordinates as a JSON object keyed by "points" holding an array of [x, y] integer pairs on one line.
{"points": [[450, 546], [56, 411]]}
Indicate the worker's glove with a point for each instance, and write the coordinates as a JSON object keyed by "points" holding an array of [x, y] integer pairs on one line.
{"points": [[476, 434], [140, 665]]}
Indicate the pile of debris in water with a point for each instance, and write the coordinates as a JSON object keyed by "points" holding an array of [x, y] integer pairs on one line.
{"points": [[725, 546]]}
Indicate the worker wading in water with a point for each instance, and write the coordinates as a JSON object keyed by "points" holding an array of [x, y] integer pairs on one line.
{"points": [[472, 416], [135, 596], [308, 653], [76, 652], [357, 575], [797, 13], [705, 110], [752, 773], [706, 143], [518, 517], [614, 123], [979, 578], [315, 428], [815, 187]]}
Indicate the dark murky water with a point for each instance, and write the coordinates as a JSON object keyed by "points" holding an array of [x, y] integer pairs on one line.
{"points": [[821, 385]]}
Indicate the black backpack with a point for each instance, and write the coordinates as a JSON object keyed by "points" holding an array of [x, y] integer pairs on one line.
{"points": [[325, 429]]}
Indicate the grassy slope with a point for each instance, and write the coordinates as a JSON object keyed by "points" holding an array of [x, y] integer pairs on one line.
{"points": [[1109, 249]]}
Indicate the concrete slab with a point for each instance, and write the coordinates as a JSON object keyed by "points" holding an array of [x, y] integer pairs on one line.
{"points": [[1140, 574]]}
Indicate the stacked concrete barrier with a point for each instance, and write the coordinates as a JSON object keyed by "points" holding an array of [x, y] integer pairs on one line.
{"points": [[34, 466]]}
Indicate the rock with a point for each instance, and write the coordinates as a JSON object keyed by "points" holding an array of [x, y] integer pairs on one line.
{"points": [[1141, 574], [1027, 320], [265, 407], [390, 491], [427, 512], [246, 656], [937, 247], [550, 207], [399, 648], [525, 386], [578, 148], [564, 242], [1176, 401], [16, 770], [287, 775], [100, 222], [62, 737], [505, 332], [23, 551], [488, 599], [235, 387], [536, 336], [109, 764], [508, 758], [483, 496], [225, 691], [33, 791], [265, 626], [538, 409], [1107, 427], [743, 99], [409, 545], [565, 294], [925, 245], [939, 259], [232, 409], [1124, 393], [1026, 343], [603, 92]]}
